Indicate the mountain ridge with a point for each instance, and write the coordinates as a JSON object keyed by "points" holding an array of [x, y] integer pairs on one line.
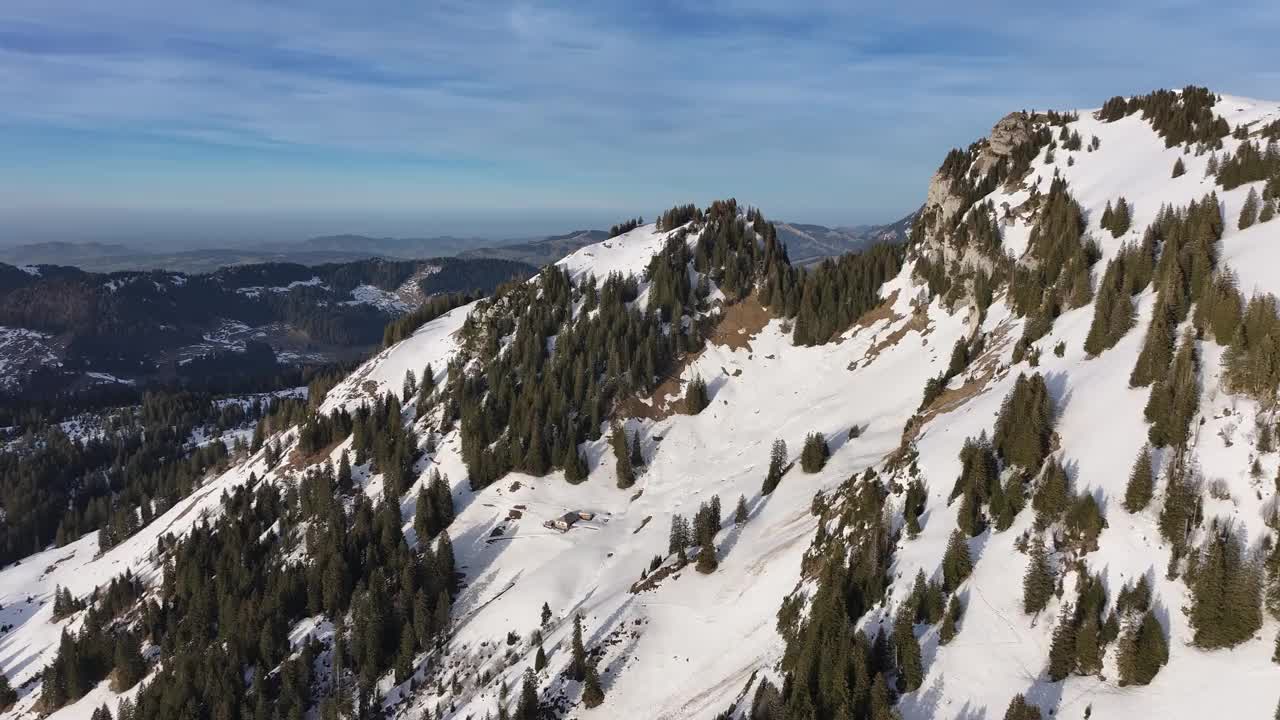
{"points": [[941, 419]]}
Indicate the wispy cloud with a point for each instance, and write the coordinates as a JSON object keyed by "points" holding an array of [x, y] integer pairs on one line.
{"points": [[834, 108]]}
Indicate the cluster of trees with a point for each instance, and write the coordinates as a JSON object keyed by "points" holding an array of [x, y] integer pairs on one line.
{"points": [[701, 533], [627, 455], [55, 489], [531, 407], [103, 645], [679, 215], [626, 226], [229, 597], [815, 452], [434, 510], [1249, 164], [1116, 219], [1226, 583], [1187, 241], [1024, 427], [777, 467], [826, 300], [1178, 116], [380, 435], [1060, 276], [1127, 274], [834, 670], [696, 397], [982, 498]]}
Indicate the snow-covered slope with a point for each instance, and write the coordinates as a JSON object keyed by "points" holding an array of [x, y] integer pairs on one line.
{"points": [[688, 645]]}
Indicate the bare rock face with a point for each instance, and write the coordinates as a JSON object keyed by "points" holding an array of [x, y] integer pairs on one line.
{"points": [[941, 198], [1012, 130]]}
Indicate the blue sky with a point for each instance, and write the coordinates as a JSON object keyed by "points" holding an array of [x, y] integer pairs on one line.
{"points": [[230, 121]]}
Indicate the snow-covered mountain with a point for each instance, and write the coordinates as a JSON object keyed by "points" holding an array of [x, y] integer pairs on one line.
{"points": [[808, 606]]}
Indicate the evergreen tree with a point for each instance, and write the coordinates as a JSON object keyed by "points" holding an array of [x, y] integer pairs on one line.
{"points": [[344, 472], [1038, 581], [956, 562], [1143, 651], [1089, 646], [1141, 485], [1025, 424], [8, 696], [1179, 169], [696, 398], [1020, 709], [527, 706], [950, 621], [540, 659], [1175, 397], [1050, 500], [545, 616], [1249, 210], [1268, 211], [592, 693], [575, 466], [910, 664], [1062, 651], [1226, 592], [707, 562], [578, 663], [740, 515], [637, 457], [777, 465], [1120, 218], [815, 453], [622, 457]]}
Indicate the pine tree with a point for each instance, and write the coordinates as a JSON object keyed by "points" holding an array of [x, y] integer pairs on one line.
{"points": [[956, 562], [637, 457], [814, 455], [1050, 500], [1249, 210], [1120, 218], [545, 616], [777, 465], [696, 398], [950, 621], [8, 696], [622, 457], [1141, 485], [575, 467], [740, 514], [1020, 709], [910, 664], [540, 659], [527, 705], [707, 562], [1089, 646], [344, 472], [1062, 651], [1038, 581], [1268, 211], [1143, 651], [1178, 168], [592, 693], [1226, 592], [578, 663]]}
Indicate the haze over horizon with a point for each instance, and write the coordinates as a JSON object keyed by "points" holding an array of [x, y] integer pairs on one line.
{"points": [[194, 125]]}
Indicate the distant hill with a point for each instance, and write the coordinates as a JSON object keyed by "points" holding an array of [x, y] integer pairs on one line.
{"points": [[62, 328], [542, 251], [807, 243]]}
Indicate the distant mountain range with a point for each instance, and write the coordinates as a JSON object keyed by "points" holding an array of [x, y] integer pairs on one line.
{"points": [[806, 243], [65, 329]]}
